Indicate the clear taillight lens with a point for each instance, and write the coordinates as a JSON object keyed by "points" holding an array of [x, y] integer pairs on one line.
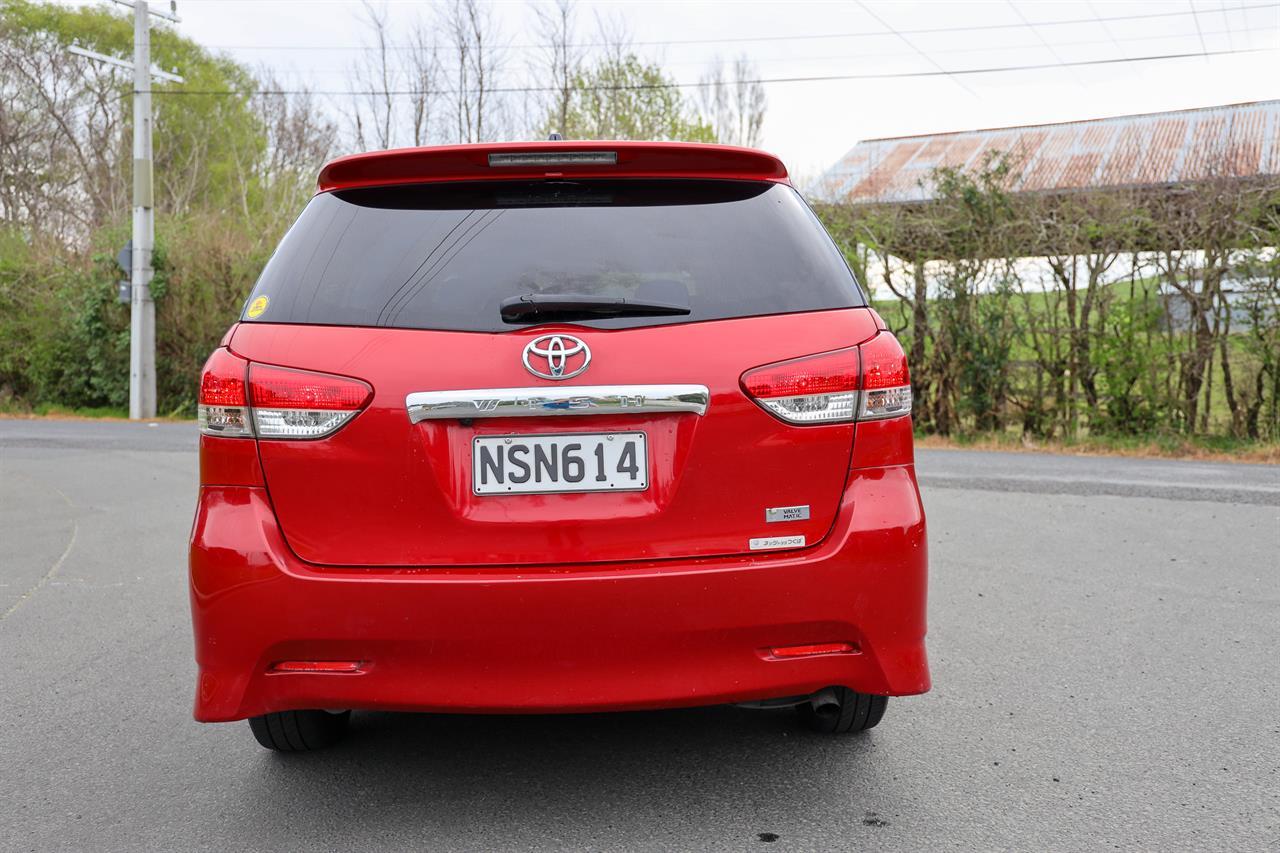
{"points": [[866, 382], [223, 406], [301, 404]]}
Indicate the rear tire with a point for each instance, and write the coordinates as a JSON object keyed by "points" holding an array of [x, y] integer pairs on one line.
{"points": [[858, 712], [299, 731]]}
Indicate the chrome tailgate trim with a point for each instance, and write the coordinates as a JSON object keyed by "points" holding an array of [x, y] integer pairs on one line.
{"points": [[544, 401]]}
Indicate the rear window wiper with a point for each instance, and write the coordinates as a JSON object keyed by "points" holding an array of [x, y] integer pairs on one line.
{"points": [[543, 307]]}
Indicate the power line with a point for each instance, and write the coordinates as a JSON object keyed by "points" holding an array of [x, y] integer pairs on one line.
{"points": [[345, 71], [1035, 32], [1199, 32], [909, 43], [1104, 26], [802, 37], [500, 90], [1222, 7]]}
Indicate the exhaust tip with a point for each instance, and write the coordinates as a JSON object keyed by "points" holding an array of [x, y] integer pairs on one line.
{"points": [[826, 702]]}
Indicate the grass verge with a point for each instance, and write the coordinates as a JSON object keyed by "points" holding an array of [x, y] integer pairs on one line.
{"points": [[1205, 448], [75, 413]]}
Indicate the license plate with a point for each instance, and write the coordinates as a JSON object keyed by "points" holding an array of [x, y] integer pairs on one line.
{"points": [[570, 462]]}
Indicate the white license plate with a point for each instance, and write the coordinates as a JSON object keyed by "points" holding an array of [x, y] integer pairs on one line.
{"points": [[569, 462]]}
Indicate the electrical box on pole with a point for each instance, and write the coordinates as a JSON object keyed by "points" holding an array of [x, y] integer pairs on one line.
{"points": [[124, 260]]}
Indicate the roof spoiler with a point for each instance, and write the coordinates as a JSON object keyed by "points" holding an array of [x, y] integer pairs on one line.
{"points": [[541, 160]]}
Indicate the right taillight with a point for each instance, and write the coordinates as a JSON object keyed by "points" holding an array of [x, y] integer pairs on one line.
{"points": [[867, 382]]}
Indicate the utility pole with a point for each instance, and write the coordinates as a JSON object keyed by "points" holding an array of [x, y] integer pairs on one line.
{"points": [[142, 308]]}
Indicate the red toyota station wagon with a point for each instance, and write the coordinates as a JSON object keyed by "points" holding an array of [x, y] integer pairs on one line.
{"points": [[555, 427]]}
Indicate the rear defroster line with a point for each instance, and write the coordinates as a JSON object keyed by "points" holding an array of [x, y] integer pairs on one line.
{"points": [[384, 316], [451, 251]]}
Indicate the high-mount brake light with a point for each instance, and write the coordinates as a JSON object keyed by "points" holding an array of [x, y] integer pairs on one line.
{"points": [[291, 403], [554, 158], [867, 382], [223, 406]]}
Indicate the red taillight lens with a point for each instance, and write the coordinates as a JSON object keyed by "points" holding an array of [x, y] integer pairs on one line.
{"points": [[301, 404], [858, 383], [884, 364], [886, 382], [223, 401], [222, 382], [279, 387], [815, 389], [825, 373]]}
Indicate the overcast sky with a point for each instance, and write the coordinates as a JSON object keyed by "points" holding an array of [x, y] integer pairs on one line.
{"points": [[811, 124]]}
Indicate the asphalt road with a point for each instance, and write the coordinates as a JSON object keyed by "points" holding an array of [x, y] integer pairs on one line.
{"points": [[1105, 641]]}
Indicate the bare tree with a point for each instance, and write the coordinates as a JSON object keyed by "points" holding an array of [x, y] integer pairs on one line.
{"points": [[734, 103], [561, 60], [593, 114], [62, 137], [613, 37], [475, 59], [299, 140], [376, 75], [424, 75]]}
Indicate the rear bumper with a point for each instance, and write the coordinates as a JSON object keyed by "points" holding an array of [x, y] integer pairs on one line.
{"points": [[578, 638]]}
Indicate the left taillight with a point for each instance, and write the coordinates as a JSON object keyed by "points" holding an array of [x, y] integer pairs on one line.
{"points": [[223, 405], [241, 400], [290, 403]]}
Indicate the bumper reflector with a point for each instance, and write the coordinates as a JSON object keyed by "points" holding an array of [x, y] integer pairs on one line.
{"points": [[335, 666], [813, 650]]}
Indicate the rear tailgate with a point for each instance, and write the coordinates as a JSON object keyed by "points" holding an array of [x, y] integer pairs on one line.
{"points": [[384, 491]]}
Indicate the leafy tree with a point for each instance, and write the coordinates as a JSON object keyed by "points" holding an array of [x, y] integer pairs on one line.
{"points": [[232, 170], [623, 97], [734, 103]]}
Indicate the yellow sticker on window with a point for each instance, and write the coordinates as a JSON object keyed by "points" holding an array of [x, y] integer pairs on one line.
{"points": [[256, 307]]}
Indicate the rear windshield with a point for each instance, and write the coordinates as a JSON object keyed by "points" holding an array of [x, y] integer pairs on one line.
{"points": [[445, 256]]}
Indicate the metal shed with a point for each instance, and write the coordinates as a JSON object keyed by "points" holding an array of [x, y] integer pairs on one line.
{"points": [[1152, 149]]}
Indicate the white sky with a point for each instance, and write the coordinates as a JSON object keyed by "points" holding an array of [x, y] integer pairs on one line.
{"points": [[811, 124]]}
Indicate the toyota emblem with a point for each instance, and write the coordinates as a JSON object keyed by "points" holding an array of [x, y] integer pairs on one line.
{"points": [[563, 356]]}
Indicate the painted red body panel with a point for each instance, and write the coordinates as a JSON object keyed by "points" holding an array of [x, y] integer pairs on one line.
{"points": [[583, 638], [229, 462], [471, 163], [367, 551], [385, 492]]}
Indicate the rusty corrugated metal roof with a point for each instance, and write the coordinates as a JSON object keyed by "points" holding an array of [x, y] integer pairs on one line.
{"points": [[1238, 140]]}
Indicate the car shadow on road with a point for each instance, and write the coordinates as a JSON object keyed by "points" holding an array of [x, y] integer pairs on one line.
{"points": [[574, 775]]}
